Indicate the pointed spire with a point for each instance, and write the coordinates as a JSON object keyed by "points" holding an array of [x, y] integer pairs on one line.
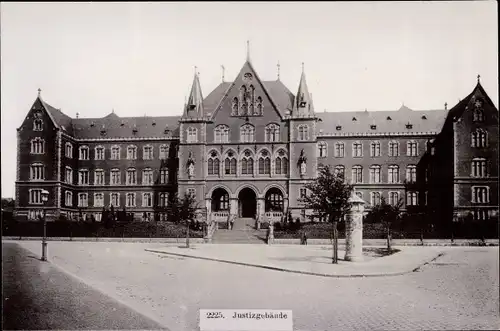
{"points": [[303, 101], [278, 65], [195, 99], [248, 50]]}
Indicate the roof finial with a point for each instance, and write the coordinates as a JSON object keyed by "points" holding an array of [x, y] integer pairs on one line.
{"points": [[77, 114], [248, 50], [278, 65], [478, 78], [222, 66], [112, 110], [195, 70], [446, 106], [39, 91], [302, 67]]}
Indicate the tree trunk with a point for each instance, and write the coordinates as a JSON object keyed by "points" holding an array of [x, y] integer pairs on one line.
{"points": [[187, 235], [388, 238], [335, 242]]}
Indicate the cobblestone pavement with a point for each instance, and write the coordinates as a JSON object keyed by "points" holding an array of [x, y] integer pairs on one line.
{"points": [[458, 291]]}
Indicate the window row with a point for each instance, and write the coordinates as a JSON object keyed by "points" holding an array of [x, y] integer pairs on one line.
{"points": [[248, 164], [115, 152], [375, 149], [114, 199], [247, 133], [115, 176], [394, 197], [375, 174]]}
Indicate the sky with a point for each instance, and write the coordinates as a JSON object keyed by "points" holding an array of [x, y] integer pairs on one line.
{"points": [[139, 58]]}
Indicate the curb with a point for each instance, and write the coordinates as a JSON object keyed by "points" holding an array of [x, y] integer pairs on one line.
{"points": [[416, 269]]}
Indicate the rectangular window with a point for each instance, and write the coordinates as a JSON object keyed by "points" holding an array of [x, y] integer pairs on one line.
{"points": [[98, 217], [69, 199], [339, 150], [411, 174], [357, 149], [99, 177], [163, 199], [480, 194], [191, 192], [99, 153], [69, 175], [393, 148], [375, 198], [147, 199], [375, 174], [37, 171], [147, 177], [115, 177], [131, 177], [115, 153], [131, 153], [130, 200], [84, 153], [478, 168], [83, 178], [98, 200], [69, 151], [393, 198], [114, 199], [163, 176], [411, 198], [83, 200], [411, 148], [147, 153], [35, 197], [393, 174], [375, 149], [163, 152], [37, 146], [357, 174], [302, 193]]}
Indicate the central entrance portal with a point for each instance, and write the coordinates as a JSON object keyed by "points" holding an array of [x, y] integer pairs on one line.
{"points": [[247, 203]]}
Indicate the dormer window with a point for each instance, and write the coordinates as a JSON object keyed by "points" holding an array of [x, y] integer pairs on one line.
{"points": [[302, 104], [354, 119], [389, 118], [92, 124], [122, 123], [373, 127], [192, 106], [409, 126], [338, 127], [37, 125], [154, 123], [424, 117], [134, 130]]}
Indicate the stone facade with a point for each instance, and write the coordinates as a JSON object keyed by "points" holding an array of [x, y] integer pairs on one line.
{"points": [[248, 148]]}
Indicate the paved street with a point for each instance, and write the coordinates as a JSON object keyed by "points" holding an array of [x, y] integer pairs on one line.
{"points": [[459, 290], [37, 296]]}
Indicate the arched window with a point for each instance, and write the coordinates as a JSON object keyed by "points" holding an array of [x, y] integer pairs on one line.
{"points": [[147, 176], [411, 173], [37, 125], [393, 174], [213, 164], [274, 200], [192, 135], [235, 106], [220, 200], [115, 152], [243, 102], [411, 148], [281, 163], [322, 149], [340, 171], [131, 176], [357, 149], [230, 164], [69, 150], [164, 152], [478, 115], [147, 152], [37, 171], [247, 163], [99, 153], [478, 167], [247, 133], [479, 138], [251, 105], [339, 149], [303, 132], [375, 198], [375, 174], [221, 134], [259, 106], [272, 132], [264, 163]]}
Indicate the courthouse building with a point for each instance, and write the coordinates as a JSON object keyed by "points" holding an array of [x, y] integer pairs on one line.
{"points": [[248, 148]]}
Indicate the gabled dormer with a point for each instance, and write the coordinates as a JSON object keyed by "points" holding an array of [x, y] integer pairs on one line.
{"points": [[303, 104], [194, 105]]}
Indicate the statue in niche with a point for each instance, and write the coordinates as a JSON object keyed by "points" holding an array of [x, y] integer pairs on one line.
{"points": [[302, 162], [190, 165]]}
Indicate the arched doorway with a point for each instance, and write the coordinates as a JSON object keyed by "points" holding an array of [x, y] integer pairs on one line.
{"points": [[220, 200], [247, 203], [274, 200]]}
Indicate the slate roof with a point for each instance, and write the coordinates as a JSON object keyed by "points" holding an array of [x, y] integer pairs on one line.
{"points": [[384, 121]]}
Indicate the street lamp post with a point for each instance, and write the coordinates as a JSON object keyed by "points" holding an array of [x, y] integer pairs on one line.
{"points": [[45, 198]]}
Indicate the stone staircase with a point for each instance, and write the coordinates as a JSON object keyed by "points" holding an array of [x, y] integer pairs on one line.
{"points": [[243, 232]]}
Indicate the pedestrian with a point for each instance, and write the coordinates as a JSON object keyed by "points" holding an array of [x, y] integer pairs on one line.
{"points": [[305, 238], [232, 223]]}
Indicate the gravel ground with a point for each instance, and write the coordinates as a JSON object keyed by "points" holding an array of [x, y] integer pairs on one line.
{"points": [[459, 290]]}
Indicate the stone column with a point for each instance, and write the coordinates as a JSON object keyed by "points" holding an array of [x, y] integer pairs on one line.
{"points": [[260, 211], [354, 230], [208, 205]]}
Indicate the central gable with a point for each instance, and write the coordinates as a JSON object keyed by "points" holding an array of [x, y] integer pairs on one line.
{"points": [[247, 97]]}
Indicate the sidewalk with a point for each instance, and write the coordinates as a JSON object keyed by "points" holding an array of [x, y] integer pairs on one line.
{"points": [[311, 260]]}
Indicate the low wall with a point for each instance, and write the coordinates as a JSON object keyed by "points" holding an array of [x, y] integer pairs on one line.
{"points": [[395, 242], [131, 240]]}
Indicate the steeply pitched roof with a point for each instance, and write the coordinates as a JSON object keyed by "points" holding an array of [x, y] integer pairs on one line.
{"points": [[378, 122], [194, 106], [60, 119], [125, 127], [303, 101]]}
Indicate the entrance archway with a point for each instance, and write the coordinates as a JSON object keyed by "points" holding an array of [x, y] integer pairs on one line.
{"points": [[220, 200], [247, 203], [274, 200]]}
